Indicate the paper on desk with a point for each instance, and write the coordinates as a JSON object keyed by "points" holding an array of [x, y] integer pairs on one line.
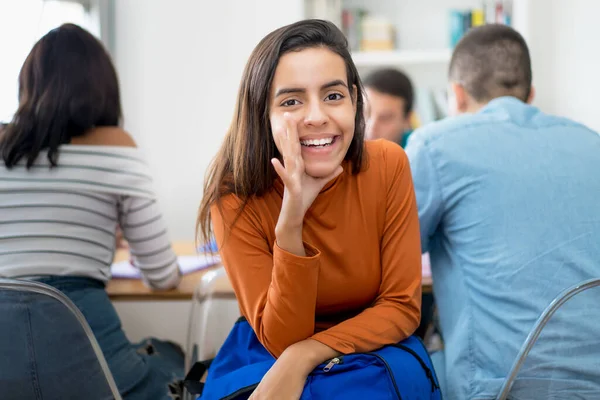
{"points": [[187, 264]]}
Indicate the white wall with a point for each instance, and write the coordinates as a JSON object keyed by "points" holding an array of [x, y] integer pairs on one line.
{"points": [[167, 320], [575, 60], [180, 63], [562, 36]]}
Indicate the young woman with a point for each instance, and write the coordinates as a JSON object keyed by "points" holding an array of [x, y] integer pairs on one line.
{"points": [[69, 177], [318, 230]]}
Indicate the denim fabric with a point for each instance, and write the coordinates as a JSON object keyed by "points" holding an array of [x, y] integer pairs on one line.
{"points": [[60, 360], [509, 207], [44, 352]]}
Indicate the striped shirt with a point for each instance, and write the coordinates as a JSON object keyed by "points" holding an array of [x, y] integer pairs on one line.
{"points": [[62, 220]]}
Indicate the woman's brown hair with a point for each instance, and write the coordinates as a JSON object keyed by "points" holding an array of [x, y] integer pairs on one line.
{"points": [[242, 166], [67, 86]]}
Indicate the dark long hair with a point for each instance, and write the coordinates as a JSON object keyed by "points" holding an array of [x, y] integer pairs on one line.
{"points": [[67, 86], [242, 165]]}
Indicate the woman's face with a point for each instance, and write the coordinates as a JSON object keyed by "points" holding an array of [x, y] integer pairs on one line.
{"points": [[311, 85]]}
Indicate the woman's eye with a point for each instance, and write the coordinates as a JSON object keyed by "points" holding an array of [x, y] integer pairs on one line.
{"points": [[289, 103], [334, 96]]}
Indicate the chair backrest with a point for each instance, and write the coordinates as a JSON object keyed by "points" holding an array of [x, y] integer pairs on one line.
{"points": [[537, 329], [47, 349], [214, 312]]}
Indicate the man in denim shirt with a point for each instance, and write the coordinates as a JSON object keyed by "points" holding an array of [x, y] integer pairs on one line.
{"points": [[509, 206]]}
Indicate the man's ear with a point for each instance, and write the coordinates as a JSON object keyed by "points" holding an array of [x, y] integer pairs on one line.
{"points": [[531, 95], [461, 98]]}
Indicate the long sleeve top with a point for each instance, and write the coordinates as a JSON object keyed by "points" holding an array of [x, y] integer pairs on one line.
{"points": [[359, 286], [62, 220]]}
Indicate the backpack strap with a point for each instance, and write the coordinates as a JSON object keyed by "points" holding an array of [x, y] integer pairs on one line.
{"points": [[191, 381]]}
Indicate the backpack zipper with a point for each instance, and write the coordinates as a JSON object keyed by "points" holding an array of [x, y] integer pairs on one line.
{"points": [[339, 360], [332, 363]]}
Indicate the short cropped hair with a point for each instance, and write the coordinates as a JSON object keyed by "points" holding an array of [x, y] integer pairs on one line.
{"points": [[491, 61], [393, 82]]}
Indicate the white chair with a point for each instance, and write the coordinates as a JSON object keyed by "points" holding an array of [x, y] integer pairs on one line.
{"points": [[537, 330], [213, 314], [55, 326]]}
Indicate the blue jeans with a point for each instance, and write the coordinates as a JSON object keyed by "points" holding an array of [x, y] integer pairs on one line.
{"points": [[141, 371]]}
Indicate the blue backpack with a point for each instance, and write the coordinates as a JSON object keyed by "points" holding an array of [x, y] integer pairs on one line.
{"points": [[400, 371]]}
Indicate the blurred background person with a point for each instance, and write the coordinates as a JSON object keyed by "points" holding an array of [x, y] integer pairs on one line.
{"points": [[389, 105], [70, 177]]}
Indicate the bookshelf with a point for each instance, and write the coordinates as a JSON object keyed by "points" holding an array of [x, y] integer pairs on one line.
{"points": [[372, 59], [415, 37]]}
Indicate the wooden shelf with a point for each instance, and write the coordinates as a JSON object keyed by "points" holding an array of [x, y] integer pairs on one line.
{"points": [[401, 57]]}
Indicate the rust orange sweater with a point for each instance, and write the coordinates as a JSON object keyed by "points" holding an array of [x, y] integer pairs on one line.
{"points": [[358, 288]]}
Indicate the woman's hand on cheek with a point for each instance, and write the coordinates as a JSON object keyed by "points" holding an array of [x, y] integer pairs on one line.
{"points": [[285, 380], [300, 188]]}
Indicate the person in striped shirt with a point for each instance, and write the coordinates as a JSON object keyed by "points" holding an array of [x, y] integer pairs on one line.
{"points": [[70, 177]]}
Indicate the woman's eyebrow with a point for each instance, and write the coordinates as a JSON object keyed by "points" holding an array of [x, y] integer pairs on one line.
{"points": [[337, 82]]}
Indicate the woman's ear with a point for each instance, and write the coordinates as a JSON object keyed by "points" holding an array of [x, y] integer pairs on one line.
{"points": [[354, 95]]}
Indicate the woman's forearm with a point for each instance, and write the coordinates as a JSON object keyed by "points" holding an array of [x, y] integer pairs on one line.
{"points": [[309, 353], [289, 238]]}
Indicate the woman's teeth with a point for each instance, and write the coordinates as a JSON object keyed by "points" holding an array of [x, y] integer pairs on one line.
{"points": [[317, 142]]}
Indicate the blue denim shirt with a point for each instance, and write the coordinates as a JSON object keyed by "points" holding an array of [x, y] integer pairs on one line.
{"points": [[509, 206]]}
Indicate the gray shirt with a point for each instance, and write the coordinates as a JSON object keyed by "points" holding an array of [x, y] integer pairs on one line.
{"points": [[62, 220]]}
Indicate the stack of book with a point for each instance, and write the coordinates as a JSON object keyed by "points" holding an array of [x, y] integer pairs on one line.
{"points": [[366, 32]]}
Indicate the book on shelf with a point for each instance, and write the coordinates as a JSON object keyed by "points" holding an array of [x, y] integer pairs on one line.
{"points": [[351, 26], [492, 12], [367, 32], [377, 34]]}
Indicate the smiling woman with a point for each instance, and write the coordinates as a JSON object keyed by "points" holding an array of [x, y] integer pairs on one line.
{"points": [[306, 86], [312, 283]]}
